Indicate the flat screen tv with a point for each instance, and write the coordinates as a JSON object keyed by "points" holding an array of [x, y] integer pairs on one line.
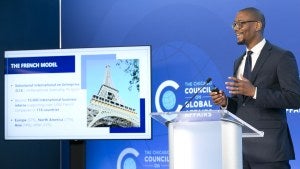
{"points": [[84, 93]]}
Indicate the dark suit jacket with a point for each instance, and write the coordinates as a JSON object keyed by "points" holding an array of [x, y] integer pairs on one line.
{"points": [[276, 77]]}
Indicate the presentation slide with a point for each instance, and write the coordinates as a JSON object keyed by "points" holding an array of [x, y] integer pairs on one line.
{"points": [[83, 93]]}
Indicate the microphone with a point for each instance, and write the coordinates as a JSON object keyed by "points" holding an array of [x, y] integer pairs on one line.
{"points": [[206, 82]]}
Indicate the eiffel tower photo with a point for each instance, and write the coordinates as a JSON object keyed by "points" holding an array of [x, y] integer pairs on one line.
{"points": [[106, 108]]}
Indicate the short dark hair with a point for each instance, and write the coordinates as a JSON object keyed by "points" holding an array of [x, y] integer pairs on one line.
{"points": [[259, 16]]}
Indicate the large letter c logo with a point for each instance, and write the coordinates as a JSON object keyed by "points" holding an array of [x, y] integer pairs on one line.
{"points": [[167, 83]]}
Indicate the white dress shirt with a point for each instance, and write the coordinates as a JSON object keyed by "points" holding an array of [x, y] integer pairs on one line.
{"points": [[254, 56], [256, 52]]}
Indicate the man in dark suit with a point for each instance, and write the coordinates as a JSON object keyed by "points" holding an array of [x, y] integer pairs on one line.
{"points": [[261, 89]]}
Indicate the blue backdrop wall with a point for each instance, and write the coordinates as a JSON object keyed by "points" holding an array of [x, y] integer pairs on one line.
{"points": [[191, 40]]}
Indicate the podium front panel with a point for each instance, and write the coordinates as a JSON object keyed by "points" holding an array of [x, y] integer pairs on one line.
{"points": [[210, 139], [207, 145]]}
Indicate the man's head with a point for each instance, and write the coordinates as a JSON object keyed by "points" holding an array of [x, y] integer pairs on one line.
{"points": [[249, 25]]}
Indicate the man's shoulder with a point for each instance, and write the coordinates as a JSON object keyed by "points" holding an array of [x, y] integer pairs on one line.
{"points": [[272, 47]]}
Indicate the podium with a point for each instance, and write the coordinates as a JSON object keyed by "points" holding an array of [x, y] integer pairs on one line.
{"points": [[209, 139]]}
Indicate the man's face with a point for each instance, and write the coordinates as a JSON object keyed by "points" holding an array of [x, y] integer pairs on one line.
{"points": [[245, 28]]}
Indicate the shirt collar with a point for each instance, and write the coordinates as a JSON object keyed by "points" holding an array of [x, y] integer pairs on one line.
{"points": [[258, 47]]}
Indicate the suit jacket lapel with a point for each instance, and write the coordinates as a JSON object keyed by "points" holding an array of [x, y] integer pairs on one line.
{"points": [[237, 64], [264, 54]]}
